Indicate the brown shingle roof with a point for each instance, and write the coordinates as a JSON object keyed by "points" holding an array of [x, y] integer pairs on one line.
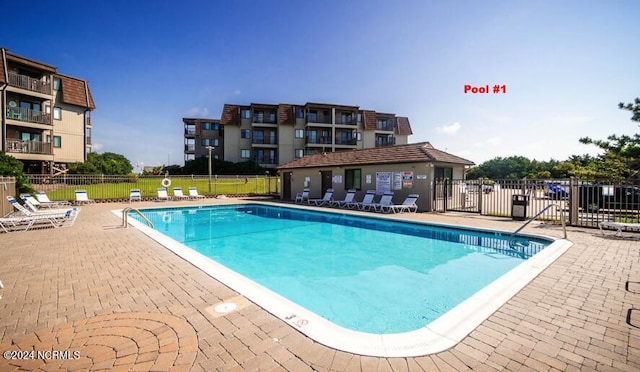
{"points": [[403, 125], [286, 114], [369, 119], [410, 153], [29, 62], [230, 114], [3, 72], [76, 92]]}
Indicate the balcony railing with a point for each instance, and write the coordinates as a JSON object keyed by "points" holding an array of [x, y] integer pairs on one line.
{"points": [[264, 160], [88, 140], [88, 121], [266, 119], [191, 131], [346, 141], [190, 148], [28, 147], [385, 141], [388, 126], [319, 140], [346, 120], [315, 118], [28, 115], [28, 83], [264, 141]]}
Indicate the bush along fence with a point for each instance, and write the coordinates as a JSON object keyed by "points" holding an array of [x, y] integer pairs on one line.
{"points": [[104, 187], [582, 203]]}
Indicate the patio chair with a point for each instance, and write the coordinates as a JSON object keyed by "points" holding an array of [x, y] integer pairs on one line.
{"points": [[326, 199], [385, 201], [43, 199], [22, 211], [409, 205], [178, 195], [162, 194], [193, 193], [32, 203], [366, 202], [619, 226], [303, 196], [351, 193], [24, 223], [135, 195], [83, 198]]}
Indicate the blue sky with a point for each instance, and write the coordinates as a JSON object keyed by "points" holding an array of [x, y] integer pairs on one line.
{"points": [[565, 64]]}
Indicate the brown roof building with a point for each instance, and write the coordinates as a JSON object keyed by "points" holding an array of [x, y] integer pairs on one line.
{"points": [[401, 169], [47, 118], [272, 134]]}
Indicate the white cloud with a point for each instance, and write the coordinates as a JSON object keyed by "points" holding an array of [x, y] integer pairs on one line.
{"points": [[451, 129], [494, 141], [197, 111]]}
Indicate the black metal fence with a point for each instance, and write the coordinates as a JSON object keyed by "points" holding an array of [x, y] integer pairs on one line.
{"points": [[583, 203]]}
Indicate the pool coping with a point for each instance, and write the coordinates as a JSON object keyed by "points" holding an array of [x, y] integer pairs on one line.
{"points": [[439, 335]]}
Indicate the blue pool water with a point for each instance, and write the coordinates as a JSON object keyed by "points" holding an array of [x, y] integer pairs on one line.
{"points": [[366, 274]]}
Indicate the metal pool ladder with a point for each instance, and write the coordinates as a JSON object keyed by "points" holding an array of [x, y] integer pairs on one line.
{"points": [[564, 226], [125, 216]]}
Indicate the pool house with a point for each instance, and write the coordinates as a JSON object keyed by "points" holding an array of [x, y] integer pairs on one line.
{"points": [[402, 169]]}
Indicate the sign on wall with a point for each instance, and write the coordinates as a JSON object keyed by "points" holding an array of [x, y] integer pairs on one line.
{"points": [[397, 181], [383, 182], [407, 179]]}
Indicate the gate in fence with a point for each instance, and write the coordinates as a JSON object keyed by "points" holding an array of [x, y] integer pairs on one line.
{"points": [[457, 195]]}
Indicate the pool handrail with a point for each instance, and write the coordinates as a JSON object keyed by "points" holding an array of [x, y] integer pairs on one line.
{"points": [[564, 226]]}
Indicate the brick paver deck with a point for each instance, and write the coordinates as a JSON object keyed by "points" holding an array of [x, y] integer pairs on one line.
{"points": [[122, 301]]}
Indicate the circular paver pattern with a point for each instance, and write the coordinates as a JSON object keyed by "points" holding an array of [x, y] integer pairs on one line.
{"points": [[126, 341]]}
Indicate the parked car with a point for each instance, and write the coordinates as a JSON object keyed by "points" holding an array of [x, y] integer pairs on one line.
{"points": [[595, 197], [556, 190]]}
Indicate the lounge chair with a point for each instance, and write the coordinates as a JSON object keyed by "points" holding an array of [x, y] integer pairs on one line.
{"points": [[178, 195], [193, 193], [33, 203], [24, 223], [83, 198], [302, 197], [162, 194], [43, 199], [22, 211], [326, 199], [385, 201], [351, 193], [409, 205], [135, 195], [366, 200], [619, 226]]}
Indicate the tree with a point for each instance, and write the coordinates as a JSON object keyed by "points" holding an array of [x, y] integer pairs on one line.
{"points": [[12, 167], [621, 158], [106, 163]]}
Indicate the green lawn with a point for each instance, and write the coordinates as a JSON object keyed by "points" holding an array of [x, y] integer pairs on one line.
{"points": [[149, 187]]}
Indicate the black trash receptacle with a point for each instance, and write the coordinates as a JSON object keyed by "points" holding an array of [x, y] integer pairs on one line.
{"points": [[519, 207]]}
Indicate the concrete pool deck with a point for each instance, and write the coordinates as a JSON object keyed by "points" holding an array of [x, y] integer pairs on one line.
{"points": [[122, 301]]}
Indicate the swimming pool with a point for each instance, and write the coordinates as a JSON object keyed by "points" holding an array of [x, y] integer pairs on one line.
{"points": [[368, 277]]}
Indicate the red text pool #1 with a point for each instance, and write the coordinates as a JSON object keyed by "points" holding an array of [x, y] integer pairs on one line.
{"points": [[497, 89]]}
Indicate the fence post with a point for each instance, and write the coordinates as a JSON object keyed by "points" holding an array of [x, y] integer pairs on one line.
{"points": [[480, 194], [574, 200]]}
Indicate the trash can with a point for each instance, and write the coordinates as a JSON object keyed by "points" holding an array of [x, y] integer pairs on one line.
{"points": [[519, 207]]}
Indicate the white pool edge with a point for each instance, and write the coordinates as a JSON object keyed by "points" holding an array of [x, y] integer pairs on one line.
{"points": [[439, 335]]}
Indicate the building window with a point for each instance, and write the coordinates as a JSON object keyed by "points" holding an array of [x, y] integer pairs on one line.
{"points": [[216, 126], [299, 113], [215, 142], [359, 118], [189, 157], [205, 142], [245, 154], [299, 133], [359, 136], [206, 126], [299, 153], [272, 117], [56, 83], [246, 114], [352, 179], [245, 133], [57, 141], [57, 113]]}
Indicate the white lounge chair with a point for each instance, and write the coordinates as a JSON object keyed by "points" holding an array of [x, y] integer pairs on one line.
{"points": [[326, 199], [302, 197], [162, 194], [22, 211], [135, 195], [351, 193], [33, 203], [83, 198], [385, 201], [619, 226], [24, 223], [366, 201], [43, 199], [409, 205], [193, 193], [178, 195]]}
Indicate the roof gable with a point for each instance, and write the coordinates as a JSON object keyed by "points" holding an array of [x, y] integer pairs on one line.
{"points": [[76, 92]]}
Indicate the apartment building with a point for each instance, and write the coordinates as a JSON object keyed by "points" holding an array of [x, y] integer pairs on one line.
{"points": [[200, 135], [46, 120], [273, 134]]}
